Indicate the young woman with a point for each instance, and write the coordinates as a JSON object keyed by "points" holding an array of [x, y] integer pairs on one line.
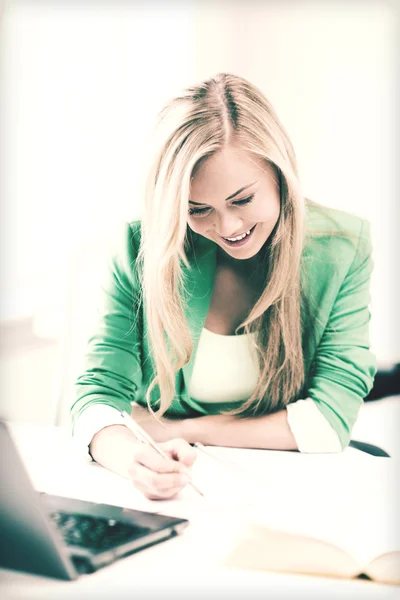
{"points": [[236, 312]]}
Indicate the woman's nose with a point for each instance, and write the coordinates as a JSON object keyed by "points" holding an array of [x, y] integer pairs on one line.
{"points": [[228, 225]]}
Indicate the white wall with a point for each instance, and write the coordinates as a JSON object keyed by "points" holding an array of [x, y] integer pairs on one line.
{"points": [[81, 84], [329, 69]]}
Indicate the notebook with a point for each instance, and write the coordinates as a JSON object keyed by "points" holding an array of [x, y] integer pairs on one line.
{"points": [[63, 537]]}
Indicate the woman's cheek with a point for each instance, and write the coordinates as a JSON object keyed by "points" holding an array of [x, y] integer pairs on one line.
{"points": [[196, 225]]}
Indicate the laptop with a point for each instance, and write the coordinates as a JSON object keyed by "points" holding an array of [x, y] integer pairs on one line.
{"points": [[63, 537]]}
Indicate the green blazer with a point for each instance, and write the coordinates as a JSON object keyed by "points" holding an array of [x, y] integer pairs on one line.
{"points": [[339, 368]]}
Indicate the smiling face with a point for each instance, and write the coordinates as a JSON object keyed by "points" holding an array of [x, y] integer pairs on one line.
{"points": [[234, 201]]}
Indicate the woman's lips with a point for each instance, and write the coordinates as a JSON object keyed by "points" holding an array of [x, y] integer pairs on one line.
{"points": [[241, 242]]}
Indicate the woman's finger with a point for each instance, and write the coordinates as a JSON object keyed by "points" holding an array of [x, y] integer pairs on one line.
{"points": [[180, 450], [152, 495], [150, 458], [156, 482]]}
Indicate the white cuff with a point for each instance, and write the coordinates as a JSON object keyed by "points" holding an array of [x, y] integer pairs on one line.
{"points": [[90, 421], [312, 431]]}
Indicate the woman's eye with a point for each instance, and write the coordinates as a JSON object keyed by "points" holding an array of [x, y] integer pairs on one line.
{"points": [[244, 201], [198, 211]]}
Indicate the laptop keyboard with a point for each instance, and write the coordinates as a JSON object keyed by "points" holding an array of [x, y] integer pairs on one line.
{"points": [[95, 533]]}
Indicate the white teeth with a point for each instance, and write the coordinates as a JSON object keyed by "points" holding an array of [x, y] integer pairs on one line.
{"points": [[240, 237]]}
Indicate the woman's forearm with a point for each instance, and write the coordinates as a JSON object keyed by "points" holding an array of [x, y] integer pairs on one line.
{"points": [[113, 448], [268, 432]]}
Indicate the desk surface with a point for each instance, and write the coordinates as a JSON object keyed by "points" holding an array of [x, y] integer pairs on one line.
{"points": [[189, 564]]}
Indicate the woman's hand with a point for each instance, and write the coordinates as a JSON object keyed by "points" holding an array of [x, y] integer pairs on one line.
{"points": [[159, 478], [116, 448]]}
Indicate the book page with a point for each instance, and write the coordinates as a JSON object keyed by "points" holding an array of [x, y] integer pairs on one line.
{"points": [[385, 568], [276, 550], [348, 499]]}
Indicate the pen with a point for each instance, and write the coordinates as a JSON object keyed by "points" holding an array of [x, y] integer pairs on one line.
{"points": [[142, 436]]}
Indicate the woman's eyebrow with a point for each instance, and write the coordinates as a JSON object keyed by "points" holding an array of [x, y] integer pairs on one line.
{"points": [[199, 203], [229, 197], [240, 191]]}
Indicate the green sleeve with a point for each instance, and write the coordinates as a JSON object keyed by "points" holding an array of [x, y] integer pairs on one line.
{"points": [[343, 369], [113, 370]]}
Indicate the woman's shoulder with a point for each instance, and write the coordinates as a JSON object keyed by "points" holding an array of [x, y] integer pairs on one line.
{"points": [[134, 231], [123, 252], [127, 239], [334, 233], [324, 220], [336, 244]]}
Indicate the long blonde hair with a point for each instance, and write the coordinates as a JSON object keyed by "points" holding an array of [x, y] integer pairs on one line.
{"points": [[189, 129]]}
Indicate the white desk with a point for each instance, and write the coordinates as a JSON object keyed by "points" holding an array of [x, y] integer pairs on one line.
{"points": [[186, 566]]}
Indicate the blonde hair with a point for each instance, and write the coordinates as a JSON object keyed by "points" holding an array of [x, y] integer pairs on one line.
{"points": [[192, 127]]}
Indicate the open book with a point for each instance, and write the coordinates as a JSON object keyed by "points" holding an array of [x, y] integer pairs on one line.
{"points": [[328, 515], [260, 547]]}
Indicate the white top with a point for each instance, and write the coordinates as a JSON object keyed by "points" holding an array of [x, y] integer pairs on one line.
{"points": [[226, 370]]}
